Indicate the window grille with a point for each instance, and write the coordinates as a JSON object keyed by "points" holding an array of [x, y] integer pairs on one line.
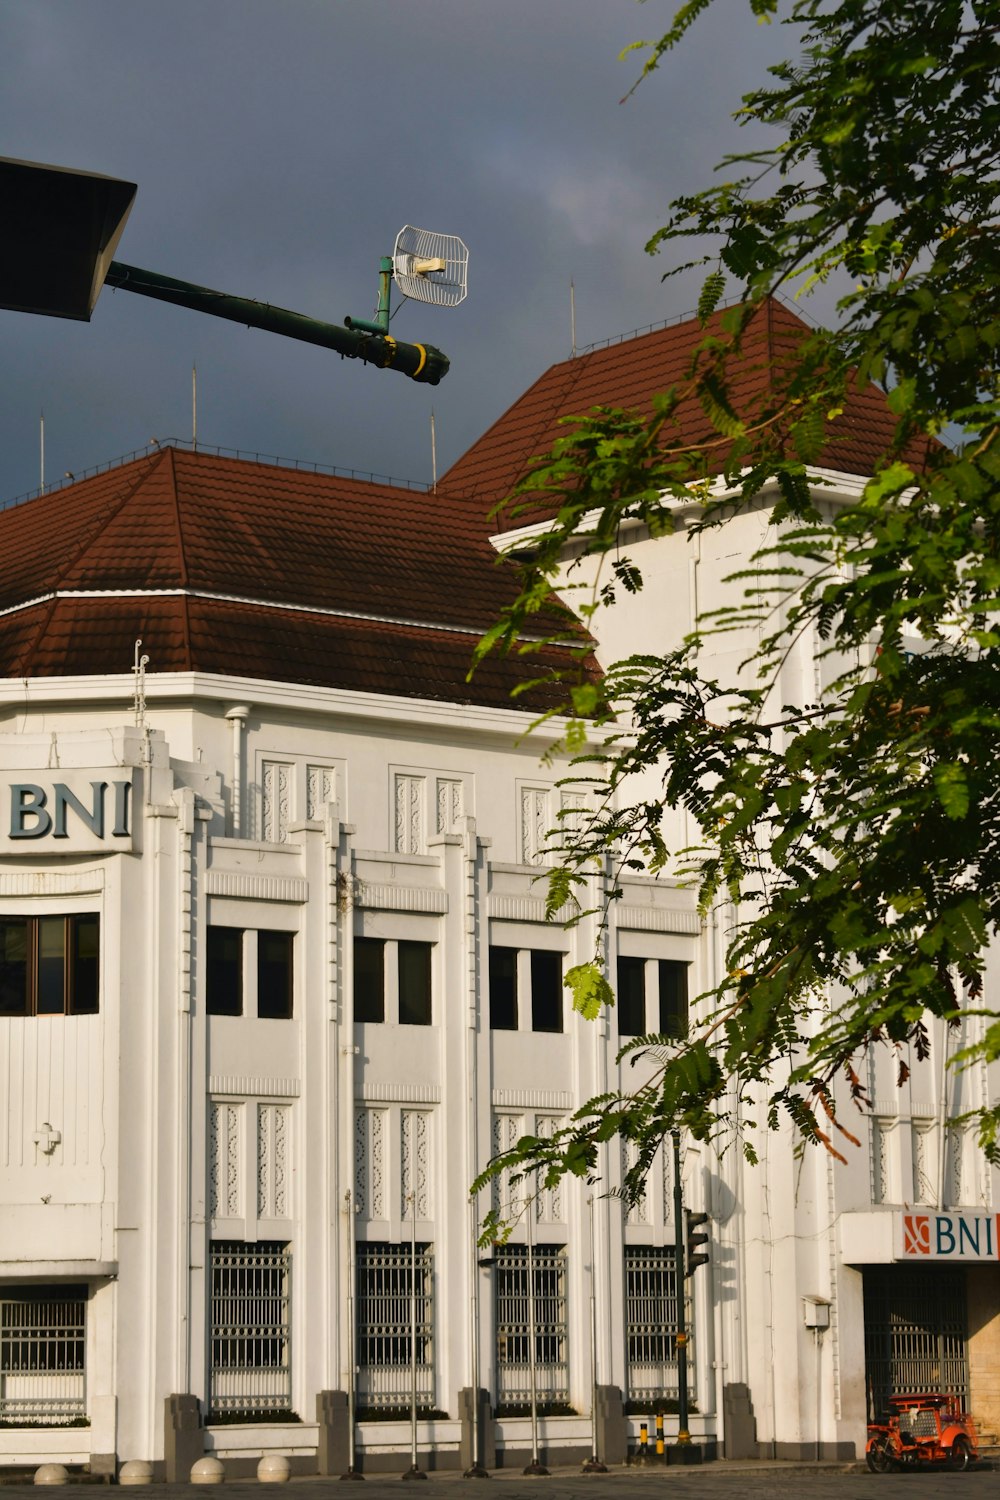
{"points": [[915, 1333], [651, 1325], [513, 1326], [384, 1313], [42, 1355], [250, 1365]]}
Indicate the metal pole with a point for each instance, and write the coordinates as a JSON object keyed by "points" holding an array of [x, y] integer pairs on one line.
{"points": [[413, 1472], [593, 1464], [535, 1467], [422, 362], [683, 1435], [352, 1472]]}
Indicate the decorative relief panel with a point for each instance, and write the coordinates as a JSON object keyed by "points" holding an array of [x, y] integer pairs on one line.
{"points": [[409, 815], [272, 1161], [369, 1162], [450, 805], [638, 1213], [276, 793], [321, 788], [881, 1135], [535, 821], [224, 1132], [667, 1169], [923, 1164], [415, 1161], [548, 1203], [507, 1131]]}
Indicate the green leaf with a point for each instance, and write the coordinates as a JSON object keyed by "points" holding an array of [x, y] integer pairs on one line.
{"points": [[589, 989]]}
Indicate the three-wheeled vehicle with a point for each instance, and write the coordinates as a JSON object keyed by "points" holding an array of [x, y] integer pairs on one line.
{"points": [[922, 1429]]}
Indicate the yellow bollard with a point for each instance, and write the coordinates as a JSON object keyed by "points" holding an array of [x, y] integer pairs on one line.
{"points": [[642, 1456], [659, 1435]]}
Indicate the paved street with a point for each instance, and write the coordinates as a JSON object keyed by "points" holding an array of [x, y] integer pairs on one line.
{"points": [[718, 1481]]}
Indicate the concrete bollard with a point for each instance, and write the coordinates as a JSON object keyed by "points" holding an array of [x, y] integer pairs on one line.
{"points": [[135, 1471], [51, 1474], [274, 1469], [207, 1470]]}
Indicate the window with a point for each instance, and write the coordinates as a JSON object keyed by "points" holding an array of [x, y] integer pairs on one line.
{"points": [[49, 966], [42, 1354], [250, 1291], [515, 1312], [409, 964], [414, 984], [546, 991], [503, 989], [671, 1017], [394, 1289], [542, 970], [651, 1324], [369, 979], [274, 975], [232, 953], [673, 981], [631, 999]]}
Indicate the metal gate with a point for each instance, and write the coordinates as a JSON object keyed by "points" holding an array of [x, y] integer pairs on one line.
{"points": [[651, 1326], [42, 1355], [389, 1304], [915, 1332], [513, 1328], [250, 1363]]}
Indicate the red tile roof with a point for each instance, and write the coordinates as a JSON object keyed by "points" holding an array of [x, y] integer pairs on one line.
{"points": [[628, 374], [249, 569]]}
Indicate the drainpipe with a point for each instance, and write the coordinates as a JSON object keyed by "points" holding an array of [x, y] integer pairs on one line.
{"points": [[238, 718]]}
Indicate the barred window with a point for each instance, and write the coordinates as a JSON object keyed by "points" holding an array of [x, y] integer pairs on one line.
{"points": [[513, 1314], [250, 1337], [42, 1354], [651, 1324], [389, 1279]]}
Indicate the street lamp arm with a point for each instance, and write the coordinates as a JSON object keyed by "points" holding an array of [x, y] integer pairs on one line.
{"points": [[422, 362]]}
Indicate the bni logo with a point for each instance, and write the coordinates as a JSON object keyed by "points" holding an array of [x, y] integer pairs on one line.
{"points": [[916, 1234]]}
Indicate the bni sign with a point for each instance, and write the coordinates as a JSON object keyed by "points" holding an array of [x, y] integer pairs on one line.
{"points": [[82, 812], [949, 1236]]}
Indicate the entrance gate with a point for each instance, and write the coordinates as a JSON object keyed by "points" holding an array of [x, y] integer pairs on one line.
{"points": [[915, 1333]]}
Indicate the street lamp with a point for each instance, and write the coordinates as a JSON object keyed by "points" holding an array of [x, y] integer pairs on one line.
{"points": [[62, 229]]}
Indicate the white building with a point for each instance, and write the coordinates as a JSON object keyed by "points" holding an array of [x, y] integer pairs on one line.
{"points": [[275, 983]]}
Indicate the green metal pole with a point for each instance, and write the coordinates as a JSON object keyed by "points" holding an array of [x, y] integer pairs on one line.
{"points": [[683, 1435], [422, 362]]}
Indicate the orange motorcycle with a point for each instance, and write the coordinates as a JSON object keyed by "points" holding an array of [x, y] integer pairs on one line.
{"points": [[922, 1429]]}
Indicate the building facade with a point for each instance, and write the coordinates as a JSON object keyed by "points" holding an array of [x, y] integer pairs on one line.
{"points": [[276, 983]]}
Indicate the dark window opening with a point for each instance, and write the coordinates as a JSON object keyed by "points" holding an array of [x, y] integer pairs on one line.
{"points": [[503, 989], [224, 971], [369, 979], [631, 997], [274, 975], [414, 984], [673, 998], [546, 991], [50, 966]]}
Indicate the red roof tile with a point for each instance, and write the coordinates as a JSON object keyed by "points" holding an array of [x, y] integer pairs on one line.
{"points": [[257, 571], [628, 374]]}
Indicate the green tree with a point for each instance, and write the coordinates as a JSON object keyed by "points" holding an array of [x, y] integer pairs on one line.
{"points": [[858, 837]]}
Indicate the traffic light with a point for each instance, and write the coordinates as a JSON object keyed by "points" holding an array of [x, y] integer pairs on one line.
{"points": [[695, 1238]]}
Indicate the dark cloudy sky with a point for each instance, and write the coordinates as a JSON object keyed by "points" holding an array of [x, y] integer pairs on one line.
{"points": [[279, 144]]}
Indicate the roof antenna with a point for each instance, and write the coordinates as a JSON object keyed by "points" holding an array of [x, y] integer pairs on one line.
{"points": [[41, 451], [572, 318], [194, 407], [434, 456]]}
